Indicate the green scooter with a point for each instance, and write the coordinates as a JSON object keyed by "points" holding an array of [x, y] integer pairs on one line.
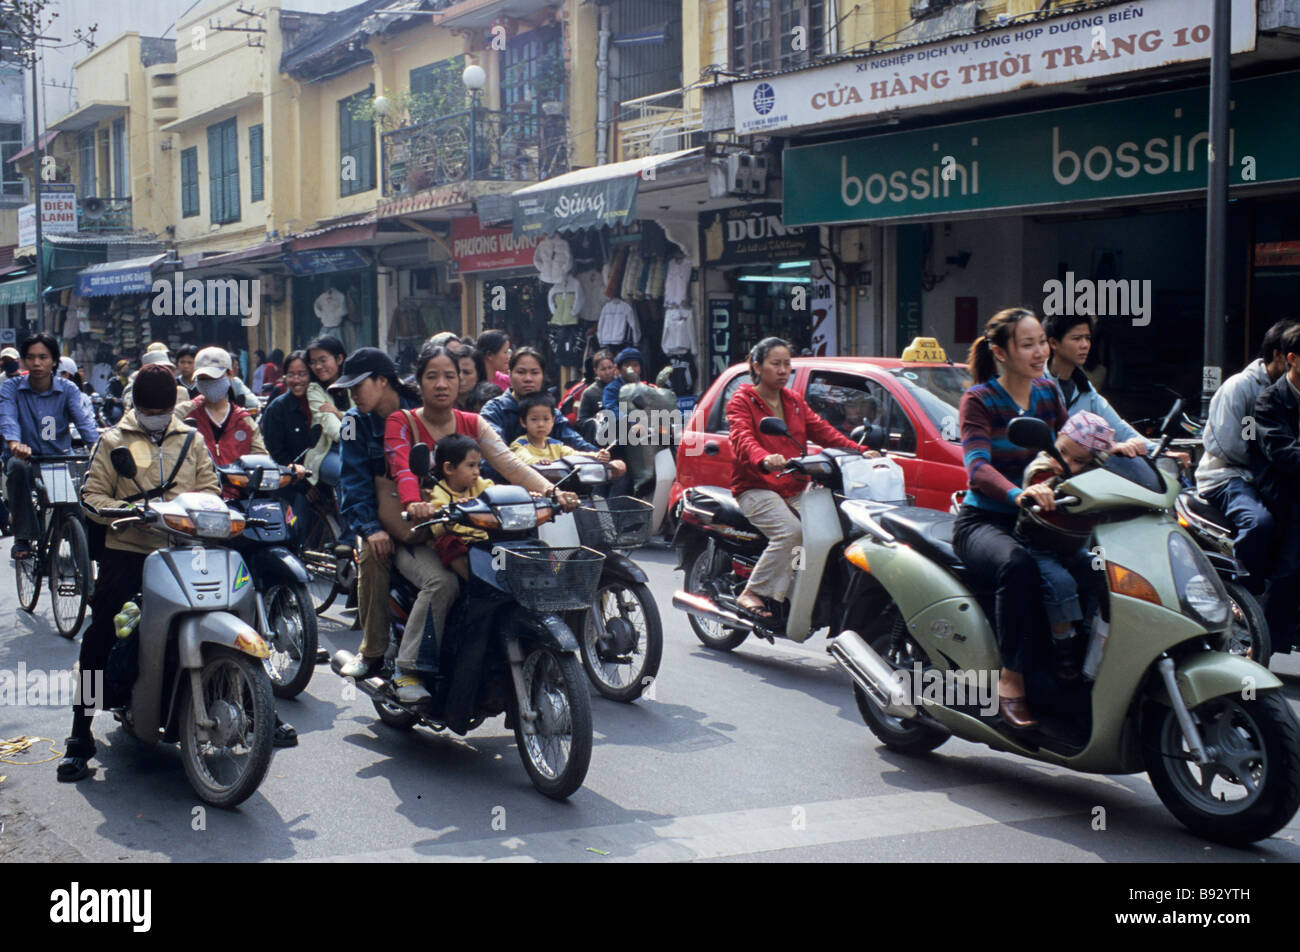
{"points": [[1213, 730]]}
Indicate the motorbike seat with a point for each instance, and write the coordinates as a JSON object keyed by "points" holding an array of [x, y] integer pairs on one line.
{"points": [[1208, 511], [926, 530], [722, 504]]}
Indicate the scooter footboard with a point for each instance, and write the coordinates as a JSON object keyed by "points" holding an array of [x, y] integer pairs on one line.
{"points": [[1212, 674], [217, 628]]}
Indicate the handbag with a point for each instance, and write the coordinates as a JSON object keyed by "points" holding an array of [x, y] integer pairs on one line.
{"points": [[391, 508]]}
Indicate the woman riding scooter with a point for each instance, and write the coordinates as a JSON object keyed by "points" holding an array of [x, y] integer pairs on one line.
{"points": [[768, 498]]}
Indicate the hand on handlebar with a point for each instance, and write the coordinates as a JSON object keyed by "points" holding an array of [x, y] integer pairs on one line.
{"points": [[568, 501], [1133, 447], [603, 456], [420, 511], [774, 462], [20, 450], [1039, 495]]}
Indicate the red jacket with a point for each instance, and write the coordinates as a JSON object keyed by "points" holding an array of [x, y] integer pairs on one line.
{"points": [[744, 411], [239, 438]]}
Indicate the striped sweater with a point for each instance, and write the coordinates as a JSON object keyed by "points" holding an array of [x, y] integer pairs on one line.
{"points": [[995, 465]]}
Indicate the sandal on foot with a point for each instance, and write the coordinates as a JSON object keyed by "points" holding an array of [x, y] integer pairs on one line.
{"points": [[285, 735], [758, 612], [73, 766]]}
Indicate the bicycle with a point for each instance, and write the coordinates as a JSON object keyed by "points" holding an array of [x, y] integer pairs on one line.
{"points": [[62, 551], [327, 554]]}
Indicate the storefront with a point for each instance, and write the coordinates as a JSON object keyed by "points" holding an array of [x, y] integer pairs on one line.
{"points": [[108, 314], [17, 306], [334, 292]]}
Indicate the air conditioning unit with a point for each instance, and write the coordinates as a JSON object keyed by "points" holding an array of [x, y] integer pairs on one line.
{"points": [[747, 174]]}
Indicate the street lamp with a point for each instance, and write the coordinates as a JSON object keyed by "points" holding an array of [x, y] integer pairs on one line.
{"points": [[474, 78], [382, 106]]}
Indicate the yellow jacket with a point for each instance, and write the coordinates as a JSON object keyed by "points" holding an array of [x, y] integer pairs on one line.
{"points": [[105, 489], [441, 494]]}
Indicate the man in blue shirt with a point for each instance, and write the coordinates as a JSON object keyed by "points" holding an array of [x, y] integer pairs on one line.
{"points": [[34, 414]]}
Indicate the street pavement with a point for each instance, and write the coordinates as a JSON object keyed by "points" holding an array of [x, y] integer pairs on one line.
{"points": [[757, 755]]}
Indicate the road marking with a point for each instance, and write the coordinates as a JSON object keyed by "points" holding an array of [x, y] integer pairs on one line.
{"points": [[743, 832]]}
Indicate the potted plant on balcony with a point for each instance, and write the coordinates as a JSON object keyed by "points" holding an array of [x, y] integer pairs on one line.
{"points": [[549, 83]]}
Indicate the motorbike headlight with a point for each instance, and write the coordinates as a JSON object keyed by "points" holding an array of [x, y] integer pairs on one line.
{"points": [[514, 518], [590, 473], [1200, 593], [210, 524], [270, 479]]}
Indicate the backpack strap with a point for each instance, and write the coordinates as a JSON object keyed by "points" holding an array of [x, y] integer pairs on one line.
{"points": [[171, 477]]}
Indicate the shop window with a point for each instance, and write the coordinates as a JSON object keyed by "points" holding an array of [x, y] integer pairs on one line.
{"points": [[190, 182], [121, 165], [11, 142], [356, 145], [847, 401], [85, 163], [256, 160], [533, 69], [437, 90], [775, 34], [223, 172]]}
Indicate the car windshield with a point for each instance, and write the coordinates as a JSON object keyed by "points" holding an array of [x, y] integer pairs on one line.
{"points": [[938, 390]]}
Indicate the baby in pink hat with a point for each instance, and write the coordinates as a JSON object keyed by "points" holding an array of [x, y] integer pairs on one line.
{"points": [[1084, 438]]}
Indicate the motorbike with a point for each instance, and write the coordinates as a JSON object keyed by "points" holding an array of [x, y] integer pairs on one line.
{"points": [[718, 547], [512, 651], [191, 669], [285, 608], [620, 634], [1212, 729]]}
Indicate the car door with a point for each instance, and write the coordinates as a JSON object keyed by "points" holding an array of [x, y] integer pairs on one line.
{"points": [[847, 401], [705, 457]]}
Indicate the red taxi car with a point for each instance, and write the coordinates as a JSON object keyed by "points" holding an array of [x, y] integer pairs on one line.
{"points": [[914, 397]]}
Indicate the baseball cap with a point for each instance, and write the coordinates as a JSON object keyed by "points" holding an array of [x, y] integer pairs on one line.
{"points": [[363, 363], [156, 357], [67, 365], [211, 363], [11, 353]]}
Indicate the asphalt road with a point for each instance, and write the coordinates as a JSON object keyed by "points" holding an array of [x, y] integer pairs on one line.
{"points": [[756, 755]]}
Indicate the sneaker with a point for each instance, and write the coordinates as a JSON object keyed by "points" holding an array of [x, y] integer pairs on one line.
{"points": [[73, 766], [409, 689], [360, 668]]}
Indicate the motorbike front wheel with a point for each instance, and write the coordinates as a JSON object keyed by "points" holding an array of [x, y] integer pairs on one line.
{"points": [[291, 624], [1248, 635], [698, 578], [1251, 789], [556, 751], [627, 660], [226, 763]]}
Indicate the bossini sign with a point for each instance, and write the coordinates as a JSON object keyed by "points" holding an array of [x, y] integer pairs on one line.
{"points": [[1063, 49]]}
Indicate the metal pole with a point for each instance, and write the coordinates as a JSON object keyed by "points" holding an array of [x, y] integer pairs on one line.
{"points": [[36, 192], [1216, 210], [473, 135]]}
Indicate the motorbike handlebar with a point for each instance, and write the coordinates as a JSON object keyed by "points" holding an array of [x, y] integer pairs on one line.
{"points": [[1060, 501]]}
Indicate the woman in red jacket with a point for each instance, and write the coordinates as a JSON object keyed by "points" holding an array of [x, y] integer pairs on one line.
{"points": [[770, 501]]}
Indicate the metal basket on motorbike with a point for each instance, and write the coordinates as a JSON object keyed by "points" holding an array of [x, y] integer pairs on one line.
{"points": [[550, 579], [620, 522]]}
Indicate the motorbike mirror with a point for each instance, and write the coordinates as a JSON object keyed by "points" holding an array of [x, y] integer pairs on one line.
{"points": [[1032, 433], [420, 460], [1170, 425], [773, 426], [123, 462], [872, 437], [313, 435]]}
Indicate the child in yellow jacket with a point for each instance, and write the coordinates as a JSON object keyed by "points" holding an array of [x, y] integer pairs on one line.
{"points": [[456, 461], [537, 414]]}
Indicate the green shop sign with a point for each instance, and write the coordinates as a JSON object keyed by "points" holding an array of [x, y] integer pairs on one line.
{"points": [[1149, 145], [598, 204]]}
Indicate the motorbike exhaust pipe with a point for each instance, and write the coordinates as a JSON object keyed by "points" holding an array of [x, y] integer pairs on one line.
{"points": [[872, 674], [703, 607]]}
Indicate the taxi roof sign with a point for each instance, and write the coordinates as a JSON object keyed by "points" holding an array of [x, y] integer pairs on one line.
{"points": [[925, 350]]}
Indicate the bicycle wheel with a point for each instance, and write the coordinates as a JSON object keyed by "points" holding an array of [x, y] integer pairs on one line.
{"points": [[324, 567], [28, 577], [69, 574]]}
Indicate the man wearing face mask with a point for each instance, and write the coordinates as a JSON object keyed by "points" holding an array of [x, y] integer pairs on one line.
{"points": [[9, 363], [228, 430], [171, 460]]}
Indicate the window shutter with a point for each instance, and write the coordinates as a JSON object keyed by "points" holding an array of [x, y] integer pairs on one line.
{"points": [[216, 181], [256, 186], [231, 136]]}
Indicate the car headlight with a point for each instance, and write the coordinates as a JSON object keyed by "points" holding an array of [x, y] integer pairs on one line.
{"points": [[1200, 593], [514, 518]]}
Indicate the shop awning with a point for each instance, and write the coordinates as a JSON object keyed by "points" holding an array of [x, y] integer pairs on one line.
{"points": [[45, 141], [20, 291], [132, 276], [268, 252], [597, 197]]}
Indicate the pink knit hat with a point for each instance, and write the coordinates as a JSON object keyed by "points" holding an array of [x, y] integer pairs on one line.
{"points": [[1089, 431]]}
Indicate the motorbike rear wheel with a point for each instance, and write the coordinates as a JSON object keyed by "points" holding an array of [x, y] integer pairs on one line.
{"points": [[900, 652], [226, 764], [1256, 747], [70, 577], [292, 637], [557, 752], [622, 604], [1248, 636], [711, 633]]}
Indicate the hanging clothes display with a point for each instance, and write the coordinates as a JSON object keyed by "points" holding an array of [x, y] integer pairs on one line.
{"points": [[679, 330], [618, 325]]}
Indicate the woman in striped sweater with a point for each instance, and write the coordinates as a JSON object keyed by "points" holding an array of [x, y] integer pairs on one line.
{"points": [[1007, 364]]}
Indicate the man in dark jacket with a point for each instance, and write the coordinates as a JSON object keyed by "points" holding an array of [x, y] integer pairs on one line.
{"points": [[1275, 450]]}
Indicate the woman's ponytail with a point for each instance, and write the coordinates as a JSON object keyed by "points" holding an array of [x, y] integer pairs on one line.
{"points": [[980, 362]]}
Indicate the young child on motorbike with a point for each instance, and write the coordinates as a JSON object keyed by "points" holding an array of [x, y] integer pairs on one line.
{"points": [[537, 413], [456, 461], [1060, 547]]}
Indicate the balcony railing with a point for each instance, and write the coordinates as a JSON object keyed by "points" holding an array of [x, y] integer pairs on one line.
{"points": [[653, 125], [477, 144], [103, 214]]}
